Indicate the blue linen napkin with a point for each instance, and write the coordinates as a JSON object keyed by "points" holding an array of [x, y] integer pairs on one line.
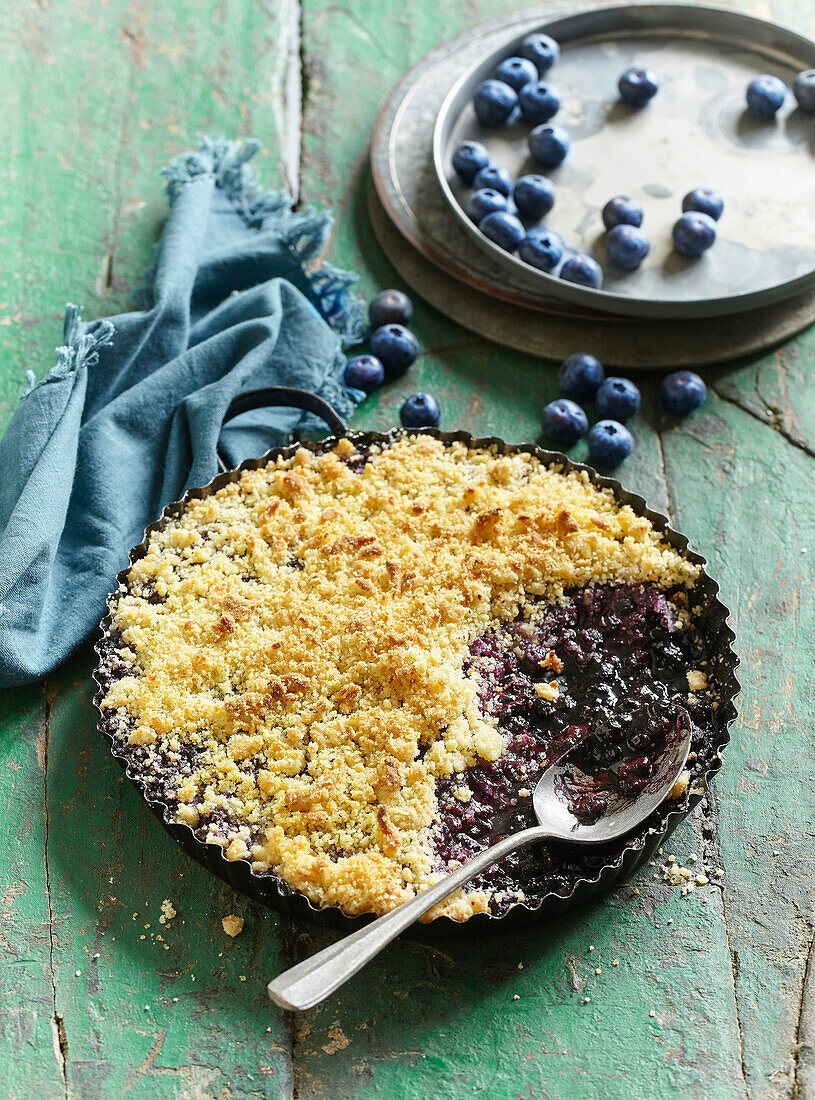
{"points": [[130, 416]]}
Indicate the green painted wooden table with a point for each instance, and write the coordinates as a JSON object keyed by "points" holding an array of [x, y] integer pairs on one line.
{"points": [[714, 992]]}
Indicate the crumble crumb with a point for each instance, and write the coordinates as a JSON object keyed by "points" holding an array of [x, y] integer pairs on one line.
{"points": [[232, 925], [697, 681]]}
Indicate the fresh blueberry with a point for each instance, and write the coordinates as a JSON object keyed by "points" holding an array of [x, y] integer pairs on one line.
{"points": [[582, 270], [617, 399], [541, 49], [420, 410], [542, 249], [395, 347], [534, 196], [682, 392], [494, 178], [765, 96], [637, 87], [503, 229], [483, 202], [694, 233], [610, 443], [580, 375], [803, 89], [704, 200], [549, 145], [627, 246], [516, 71], [564, 421], [622, 210], [494, 102], [539, 102], [390, 307], [468, 159], [364, 372]]}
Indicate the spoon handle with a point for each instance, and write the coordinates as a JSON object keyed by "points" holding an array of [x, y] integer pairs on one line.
{"points": [[314, 979]]}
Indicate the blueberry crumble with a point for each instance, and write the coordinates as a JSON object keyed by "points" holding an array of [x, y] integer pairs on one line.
{"points": [[350, 668]]}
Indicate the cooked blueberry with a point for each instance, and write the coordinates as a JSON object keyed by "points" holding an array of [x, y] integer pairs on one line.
{"points": [[622, 210], [364, 372], [420, 410], [564, 421], [549, 144], [610, 443], [765, 96], [637, 87], [540, 49], [497, 179], [580, 375], [627, 246], [704, 200], [582, 270], [504, 229], [617, 399], [468, 159], [396, 348], [483, 202], [390, 307], [516, 71], [534, 196], [803, 89], [494, 102], [682, 392], [694, 233], [542, 249], [539, 101]]}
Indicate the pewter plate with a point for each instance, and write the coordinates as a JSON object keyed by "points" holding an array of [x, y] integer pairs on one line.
{"points": [[695, 132]]}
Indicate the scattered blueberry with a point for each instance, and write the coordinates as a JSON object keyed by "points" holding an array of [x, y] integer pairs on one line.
{"points": [[539, 102], [364, 372], [395, 347], [682, 392], [765, 96], [498, 179], [580, 375], [541, 49], [483, 202], [564, 421], [637, 87], [704, 200], [468, 159], [622, 210], [534, 196], [617, 399], [542, 249], [610, 443], [494, 102], [694, 233], [503, 229], [516, 71], [583, 270], [390, 307], [420, 410], [803, 89], [627, 246], [549, 144]]}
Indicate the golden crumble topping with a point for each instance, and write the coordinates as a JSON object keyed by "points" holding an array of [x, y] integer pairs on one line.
{"points": [[296, 647]]}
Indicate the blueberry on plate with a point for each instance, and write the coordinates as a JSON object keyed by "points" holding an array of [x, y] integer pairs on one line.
{"points": [[582, 270], [483, 202], [549, 144], [364, 372], [694, 233], [539, 101], [534, 196], [704, 200], [627, 246], [494, 102], [622, 210], [542, 249], [497, 179], [468, 159], [540, 49], [395, 347], [682, 392], [420, 410], [609, 443], [637, 87], [564, 421], [580, 375], [390, 307], [503, 229], [617, 399], [516, 71], [765, 96], [803, 89]]}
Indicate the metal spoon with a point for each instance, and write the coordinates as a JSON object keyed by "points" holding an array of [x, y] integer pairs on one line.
{"points": [[311, 981]]}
